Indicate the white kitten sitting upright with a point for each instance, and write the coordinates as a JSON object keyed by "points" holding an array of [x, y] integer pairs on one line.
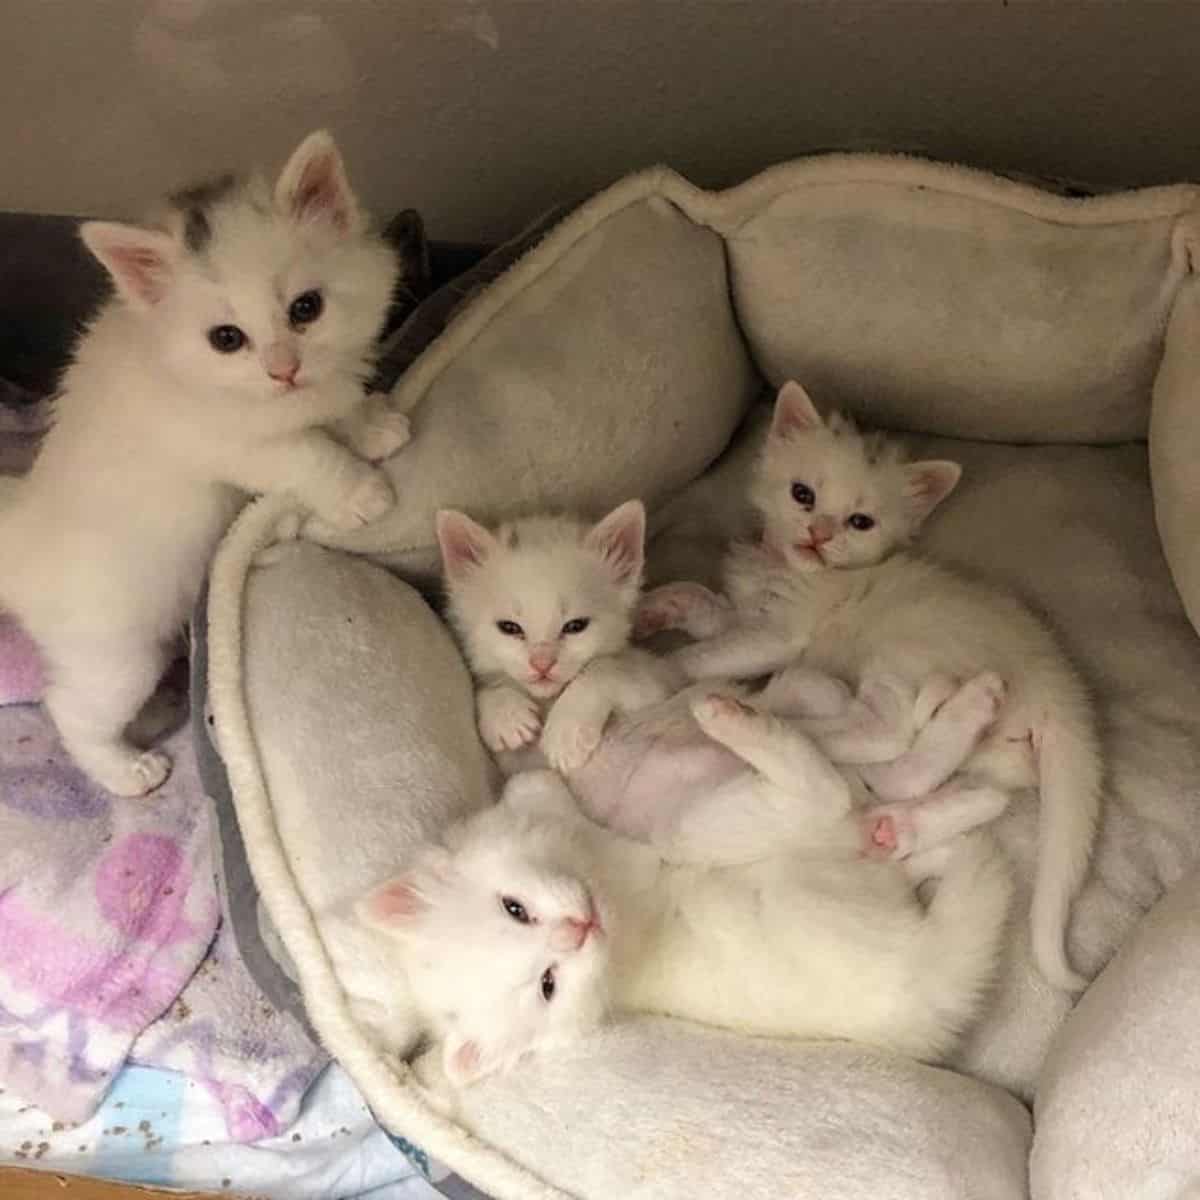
{"points": [[517, 930], [240, 335], [828, 580], [544, 608]]}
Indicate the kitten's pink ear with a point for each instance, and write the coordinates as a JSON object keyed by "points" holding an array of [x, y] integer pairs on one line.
{"points": [[464, 1060], [397, 902], [620, 540], [927, 484], [140, 261], [465, 544], [401, 901], [794, 412], [313, 187]]}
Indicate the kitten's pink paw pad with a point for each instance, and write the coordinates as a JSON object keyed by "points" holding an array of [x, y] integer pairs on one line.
{"points": [[883, 834], [885, 837]]}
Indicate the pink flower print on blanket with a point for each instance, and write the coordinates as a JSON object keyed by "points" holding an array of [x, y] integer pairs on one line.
{"points": [[141, 886], [95, 979]]}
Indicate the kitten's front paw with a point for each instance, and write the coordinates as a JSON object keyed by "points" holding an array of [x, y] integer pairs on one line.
{"points": [[508, 720], [683, 605], [367, 500], [382, 433], [569, 742]]}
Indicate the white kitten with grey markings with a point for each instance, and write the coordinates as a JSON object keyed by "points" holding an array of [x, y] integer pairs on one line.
{"points": [[544, 607], [230, 360], [528, 920], [829, 579]]}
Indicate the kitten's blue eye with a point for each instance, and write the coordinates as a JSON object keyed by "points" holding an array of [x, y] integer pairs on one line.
{"points": [[803, 494], [516, 910], [226, 339], [306, 308], [577, 625], [511, 628], [860, 521], [548, 984]]}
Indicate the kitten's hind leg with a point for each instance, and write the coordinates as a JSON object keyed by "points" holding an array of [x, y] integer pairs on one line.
{"points": [[96, 690], [891, 831], [800, 691], [877, 727], [783, 755], [943, 745]]}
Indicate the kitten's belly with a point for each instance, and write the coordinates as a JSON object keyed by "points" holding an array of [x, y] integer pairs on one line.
{"points": [[651, 765], [786, 948]]}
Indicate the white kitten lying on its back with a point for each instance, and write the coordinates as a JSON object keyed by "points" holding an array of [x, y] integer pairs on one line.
{"points": [[543, 608], [231, 360], [828, 580], [528, 920]]}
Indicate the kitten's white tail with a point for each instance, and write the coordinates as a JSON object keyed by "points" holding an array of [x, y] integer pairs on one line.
{"points": [[1070, 776], [961, 938]]}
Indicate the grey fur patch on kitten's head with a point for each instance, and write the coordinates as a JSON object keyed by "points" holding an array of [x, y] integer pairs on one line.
{"points": [[192, 204], [832, 496], [257, 292]]}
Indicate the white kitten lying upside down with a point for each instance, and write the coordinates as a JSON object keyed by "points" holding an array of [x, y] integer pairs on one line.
{"points": [[529, 921], [827, 581], [544, 608], [231, 360]]}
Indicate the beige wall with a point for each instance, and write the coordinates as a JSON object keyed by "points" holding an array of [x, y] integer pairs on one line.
{"points": [[483, 112]]}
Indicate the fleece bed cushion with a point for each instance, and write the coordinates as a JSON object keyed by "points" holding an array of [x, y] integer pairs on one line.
{"points": [[615, 359]]}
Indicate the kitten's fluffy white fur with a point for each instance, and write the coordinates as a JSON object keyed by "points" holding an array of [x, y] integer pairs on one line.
{"points": [[829, 580], [518, 598], [543, 608], [240, 327], [529, 920]]}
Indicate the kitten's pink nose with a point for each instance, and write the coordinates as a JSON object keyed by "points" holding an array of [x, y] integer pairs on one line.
{"points": [[577, 931], [282, 363], [543, 658], [821, 531]]}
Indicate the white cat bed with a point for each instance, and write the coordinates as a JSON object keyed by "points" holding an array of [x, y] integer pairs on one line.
{"points": [[616, 359]]}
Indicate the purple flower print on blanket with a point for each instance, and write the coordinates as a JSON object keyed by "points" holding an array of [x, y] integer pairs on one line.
{"points": [[106, 909], [112, 896], [222, 1032]]}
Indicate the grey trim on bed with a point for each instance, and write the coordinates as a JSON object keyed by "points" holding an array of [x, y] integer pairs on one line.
{"points": [[238, 890]]}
